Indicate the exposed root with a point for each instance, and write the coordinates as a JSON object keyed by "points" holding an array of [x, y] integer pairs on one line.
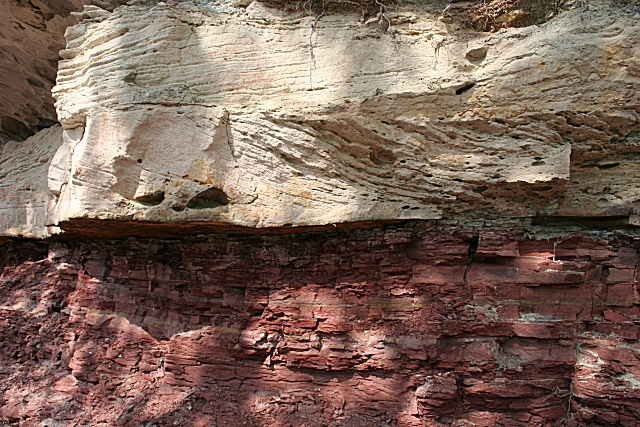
{"points": [[312, 65], [385, 25], [492, 15]]}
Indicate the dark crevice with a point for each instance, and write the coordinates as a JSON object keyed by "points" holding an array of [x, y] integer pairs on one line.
{"points": [[210, 198], [593, 223], [151, 199], [473, 248], [481, 189], [608, 166], [46, 123], [465, 88], [12, 129]]}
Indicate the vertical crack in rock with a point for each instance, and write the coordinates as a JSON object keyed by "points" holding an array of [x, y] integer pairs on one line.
{"points": [[473, 248]]}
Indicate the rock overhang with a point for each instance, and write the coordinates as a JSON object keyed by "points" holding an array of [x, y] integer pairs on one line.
{"points": [[343, 122]]}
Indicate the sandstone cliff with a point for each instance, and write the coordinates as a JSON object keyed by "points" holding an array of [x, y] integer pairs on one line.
{"points": [[261, 118], [31, 37], [321, 213]]}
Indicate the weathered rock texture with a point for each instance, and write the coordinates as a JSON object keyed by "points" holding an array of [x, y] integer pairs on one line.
{"points": [[260, 118], [178, 118], [359, 125], [31, 37], [407, 326], [25, 198]]}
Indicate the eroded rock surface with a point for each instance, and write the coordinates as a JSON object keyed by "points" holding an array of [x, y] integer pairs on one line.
{"points": [[405, 326], [340, 121], [251, 118], [31, 37], [25, 198], [181, 118]]}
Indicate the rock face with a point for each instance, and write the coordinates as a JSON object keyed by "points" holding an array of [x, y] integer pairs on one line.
{"points": [[30, 39], [343, 121], [408, 326], [473, 198], [25, 198]]}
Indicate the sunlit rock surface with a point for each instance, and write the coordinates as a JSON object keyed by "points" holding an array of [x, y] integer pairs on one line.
{"points": [[25, 198], [283, 217], [250, 118]]}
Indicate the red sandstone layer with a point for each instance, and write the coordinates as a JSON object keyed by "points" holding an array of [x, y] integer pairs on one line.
{"points": [[408, 326]]}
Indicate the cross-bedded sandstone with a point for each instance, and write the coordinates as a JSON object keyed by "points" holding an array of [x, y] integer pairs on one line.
{"points": [[239, 118]]}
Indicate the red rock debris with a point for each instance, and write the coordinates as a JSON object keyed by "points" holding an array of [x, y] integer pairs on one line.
{"points": [[403, 326]]}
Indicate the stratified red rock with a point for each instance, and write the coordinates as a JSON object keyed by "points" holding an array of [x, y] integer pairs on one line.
{"points": [[405, 326]]}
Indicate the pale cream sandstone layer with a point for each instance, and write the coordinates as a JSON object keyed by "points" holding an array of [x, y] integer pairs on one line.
{"points": [[255, 117]]}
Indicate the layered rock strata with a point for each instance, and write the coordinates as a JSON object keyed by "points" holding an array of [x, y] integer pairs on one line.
{"points": [[406, 326], [31, 37], [500, 169], [25, 198], [260, 118]]}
